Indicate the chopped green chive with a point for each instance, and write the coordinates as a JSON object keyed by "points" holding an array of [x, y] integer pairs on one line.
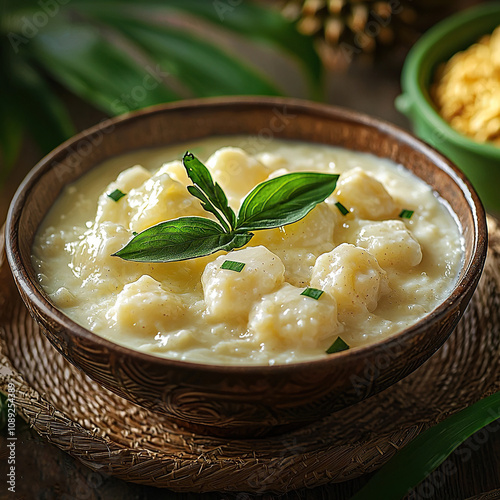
{"points": [[314, 293], [343, 210], [232, 265], [116, 195], [337, 346], [406, 214]]}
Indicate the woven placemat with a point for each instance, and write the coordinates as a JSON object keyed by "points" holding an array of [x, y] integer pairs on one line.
{"points": [[111, 435]]}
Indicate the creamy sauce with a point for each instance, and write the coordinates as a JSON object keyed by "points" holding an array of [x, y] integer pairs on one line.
{"points": [[379, 272]]}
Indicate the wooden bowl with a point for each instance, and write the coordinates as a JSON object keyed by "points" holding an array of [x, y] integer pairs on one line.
{"points": [[243, 401]]}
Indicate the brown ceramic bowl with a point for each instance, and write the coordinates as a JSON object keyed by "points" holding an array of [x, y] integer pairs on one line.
{"points": [[243, 400]]}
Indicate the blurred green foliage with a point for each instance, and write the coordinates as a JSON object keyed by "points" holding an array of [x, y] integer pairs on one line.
{"points": [[413, 463], [122, 55]]}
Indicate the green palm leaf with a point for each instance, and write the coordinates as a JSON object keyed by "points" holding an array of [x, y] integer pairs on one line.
{"points": [[77, 48], [204, 68], [426, 452], [10, 132], [93, 68], [248, 19], [261, 24], [42, 113], [28, 103]]}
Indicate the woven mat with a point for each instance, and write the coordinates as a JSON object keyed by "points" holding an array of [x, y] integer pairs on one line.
{"points": [[111, 435]]}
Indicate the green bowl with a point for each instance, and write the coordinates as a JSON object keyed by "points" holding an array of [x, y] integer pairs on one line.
{"points": [[479, 161]]}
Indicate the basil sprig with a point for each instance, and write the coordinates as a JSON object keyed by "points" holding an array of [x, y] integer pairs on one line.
{"points": [[273, 203], [212, 197]]}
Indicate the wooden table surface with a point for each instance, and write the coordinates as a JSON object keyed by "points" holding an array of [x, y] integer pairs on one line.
{"points": [[45, 472]]}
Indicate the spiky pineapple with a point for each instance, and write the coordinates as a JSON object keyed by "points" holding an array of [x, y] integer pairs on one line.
{"points": [[345, 29]]}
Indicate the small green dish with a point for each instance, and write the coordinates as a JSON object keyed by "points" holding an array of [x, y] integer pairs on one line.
{"points": [[479, 161]]}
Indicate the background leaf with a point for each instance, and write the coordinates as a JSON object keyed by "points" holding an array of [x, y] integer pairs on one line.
{"points": [[202, 67], [29, 103], [11, 134], [421, 456], [93, 68], [80, 47], [41, 112], [259, 23]]}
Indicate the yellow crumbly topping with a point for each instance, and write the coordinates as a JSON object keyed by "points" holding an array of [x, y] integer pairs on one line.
{"points": [[467, 90]]}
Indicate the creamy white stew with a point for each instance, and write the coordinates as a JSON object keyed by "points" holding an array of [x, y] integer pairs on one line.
{"points": [[380, 272]]}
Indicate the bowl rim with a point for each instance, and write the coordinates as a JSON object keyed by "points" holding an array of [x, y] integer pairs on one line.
{"points": [[413, 86], [41, 301]]}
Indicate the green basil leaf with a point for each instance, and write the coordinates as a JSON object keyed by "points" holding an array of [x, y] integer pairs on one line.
{"points": [[284, 200], [416, 460], [181, 239], [208, 206], [210, 193]]}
